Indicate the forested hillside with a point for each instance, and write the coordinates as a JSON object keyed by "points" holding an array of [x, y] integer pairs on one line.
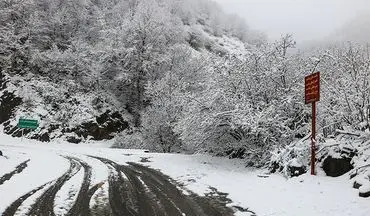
{"points": [[171, 76], [77, 64]]}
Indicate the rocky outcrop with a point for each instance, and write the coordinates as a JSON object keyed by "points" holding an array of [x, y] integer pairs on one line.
{"points": [[8, 104], [104, 127], [8, 101], [44, 137]]}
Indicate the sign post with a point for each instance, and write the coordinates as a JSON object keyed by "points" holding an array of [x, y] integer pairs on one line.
{"points": [[311, 95], [27, 124]]}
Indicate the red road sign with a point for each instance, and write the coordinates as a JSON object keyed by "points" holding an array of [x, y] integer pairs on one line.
{"points": [[312, 88], [311, 95]]}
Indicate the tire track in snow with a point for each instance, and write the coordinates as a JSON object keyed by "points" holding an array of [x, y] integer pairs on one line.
{"points": [[174, 200], [119, 190], [12, 208], [136, 190], [166, 194], [81, 205], [44, 205], [145, 199], [18, 169]]}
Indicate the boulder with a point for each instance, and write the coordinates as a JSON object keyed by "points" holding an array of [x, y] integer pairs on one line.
{"points": [[72, 139], [1, 153], [356, 185], [335, 167]]}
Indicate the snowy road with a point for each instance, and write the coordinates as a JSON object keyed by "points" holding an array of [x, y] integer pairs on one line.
{"points": [[130, 189], [42, 179]]}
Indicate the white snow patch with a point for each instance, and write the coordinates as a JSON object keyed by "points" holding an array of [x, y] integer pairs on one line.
{"points": [[365, 188], [67, 195]]}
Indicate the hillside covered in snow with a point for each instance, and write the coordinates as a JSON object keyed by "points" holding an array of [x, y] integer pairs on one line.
{"points": [[181, 76], [84, 68]]}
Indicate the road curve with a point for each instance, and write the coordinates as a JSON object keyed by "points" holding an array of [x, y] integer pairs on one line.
{"points": [[134, 190]]}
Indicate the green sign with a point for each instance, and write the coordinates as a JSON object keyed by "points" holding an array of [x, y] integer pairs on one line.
{"points": [[28, 123]]}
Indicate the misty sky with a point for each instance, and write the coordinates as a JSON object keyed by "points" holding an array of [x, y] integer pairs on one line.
{"points": [[305, 19]]}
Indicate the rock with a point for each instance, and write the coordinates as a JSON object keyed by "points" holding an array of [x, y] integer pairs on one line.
{"points": [[295, 171], [103, 128], [335, 167], [356, 185], [53, 127], [102, 118], [21, 132], [1, 153], [8, 103], [74, 140], [44, 137], [365, 194]]}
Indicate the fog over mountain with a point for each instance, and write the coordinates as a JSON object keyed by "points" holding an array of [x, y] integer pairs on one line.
{"points": [[306, 20], [357, 29]]}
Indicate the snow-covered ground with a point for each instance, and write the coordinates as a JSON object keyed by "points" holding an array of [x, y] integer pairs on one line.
{"points": [[264, 194]]}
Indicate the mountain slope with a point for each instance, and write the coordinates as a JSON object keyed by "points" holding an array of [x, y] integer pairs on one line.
{"points": [[82, 67]]}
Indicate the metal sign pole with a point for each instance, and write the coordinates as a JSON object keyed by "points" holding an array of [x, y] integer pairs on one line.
{"points": [[313, 139]]}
